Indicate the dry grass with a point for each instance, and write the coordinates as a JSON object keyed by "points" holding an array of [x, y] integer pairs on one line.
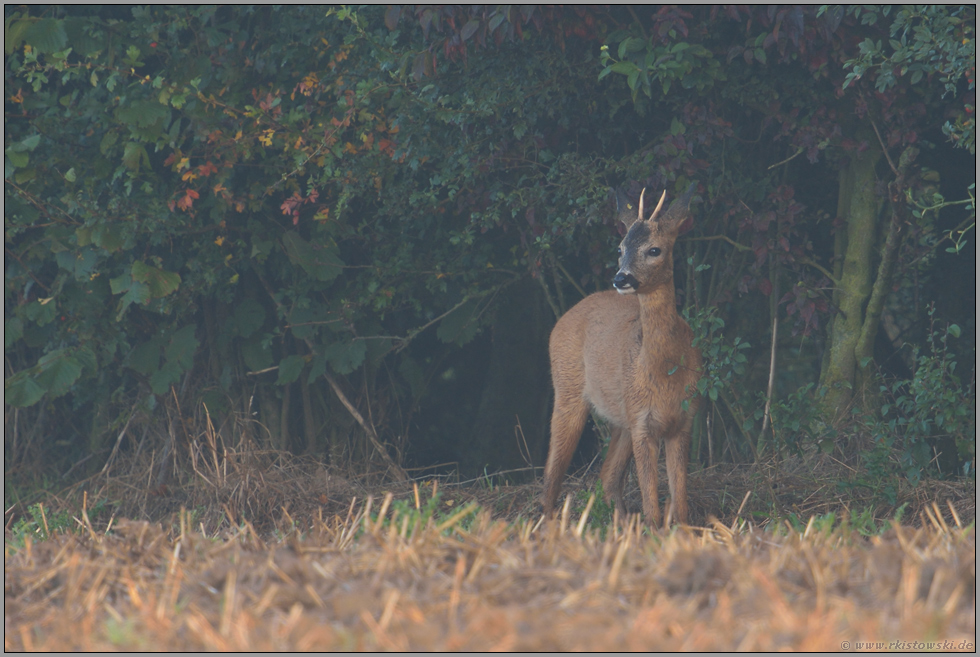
{"points": [[385, 580], [224, 485], [280, 553]]}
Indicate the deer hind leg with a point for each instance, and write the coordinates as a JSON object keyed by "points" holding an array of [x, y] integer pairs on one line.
{"points": [[677, 451], [567, 422], [646, 450], [616, 466]]}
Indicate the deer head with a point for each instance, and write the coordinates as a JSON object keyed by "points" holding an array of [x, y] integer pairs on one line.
{"points": [[646, 259]]}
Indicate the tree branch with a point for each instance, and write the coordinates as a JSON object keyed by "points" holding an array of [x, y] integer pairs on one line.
{"points": [[372, 435], [724, 238], [369, 429], [773, 166], [570, 279], [885, 150], [816, 265]]}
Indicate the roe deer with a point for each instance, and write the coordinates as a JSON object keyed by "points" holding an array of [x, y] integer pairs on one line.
{"points": [[628, 354]]}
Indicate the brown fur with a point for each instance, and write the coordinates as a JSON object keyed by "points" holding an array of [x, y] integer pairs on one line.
{"points": [[629, 356]]}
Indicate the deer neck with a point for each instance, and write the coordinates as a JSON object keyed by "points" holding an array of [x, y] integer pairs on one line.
{"points": [[658, 312]]}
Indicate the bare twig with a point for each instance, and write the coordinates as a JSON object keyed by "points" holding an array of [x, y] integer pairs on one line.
{"points": [[885, 150], [570, 279], [724, 238], [773, 166], [368, 428], [772, 377], [115, 449], [816, 265]]}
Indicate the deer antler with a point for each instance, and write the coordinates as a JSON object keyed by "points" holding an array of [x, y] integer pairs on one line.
{"points": [[659, 205]]}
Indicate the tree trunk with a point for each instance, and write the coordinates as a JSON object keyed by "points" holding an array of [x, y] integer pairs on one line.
{"points": [[517, 389], [859, 207]]}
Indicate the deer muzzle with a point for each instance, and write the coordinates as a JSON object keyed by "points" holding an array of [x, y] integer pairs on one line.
{"points": [[625, 283]]}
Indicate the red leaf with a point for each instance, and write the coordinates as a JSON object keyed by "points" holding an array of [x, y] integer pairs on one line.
{"points": [[392, 15]]}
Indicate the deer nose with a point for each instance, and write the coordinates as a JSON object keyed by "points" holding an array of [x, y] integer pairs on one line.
{"points": [[624, 281]]}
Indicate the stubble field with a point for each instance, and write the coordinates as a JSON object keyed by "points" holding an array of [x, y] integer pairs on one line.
{"points": [[394, 576]]}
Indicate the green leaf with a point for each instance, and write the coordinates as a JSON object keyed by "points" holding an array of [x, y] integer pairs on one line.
{"points": [[182, 347], [41, 312], [121, 283], [13, 330], [289, 369], [47, 35], [14, 35], [137, 293], [632, 44], [163, 378], [300, 321], [954, 330], [109, 140], [143, 113], [19, 160], [21, 390], [83, 235], [87, 359], [25, 145], [256, 355], [133, 154], [58, 372], [132, 56], [80, 263], [159, 283], [469, 29], [108, 236], [249, 316], [322, 262], [495, 21], [345, 357], [318, 367], [460, 325], [625, 68], [632, 79], [145, 358]]}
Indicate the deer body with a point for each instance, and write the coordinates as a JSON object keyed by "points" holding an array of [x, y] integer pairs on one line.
{"points": [[627, 354]]}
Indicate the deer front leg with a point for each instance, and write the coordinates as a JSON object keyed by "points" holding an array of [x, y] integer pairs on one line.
{"points": [[646, 450], [616, 466], [677, 451]]}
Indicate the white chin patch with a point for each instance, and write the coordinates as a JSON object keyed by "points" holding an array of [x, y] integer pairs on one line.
{"points": [[628, 290]]}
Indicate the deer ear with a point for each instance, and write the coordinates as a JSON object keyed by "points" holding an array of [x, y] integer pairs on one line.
{"points": [[679, 213], [625, 209]]}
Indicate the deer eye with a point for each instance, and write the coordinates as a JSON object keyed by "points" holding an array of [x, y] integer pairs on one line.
{"points": [[654, 252]]}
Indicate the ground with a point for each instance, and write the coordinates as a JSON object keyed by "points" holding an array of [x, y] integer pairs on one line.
{"points": [[294, 557]]}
